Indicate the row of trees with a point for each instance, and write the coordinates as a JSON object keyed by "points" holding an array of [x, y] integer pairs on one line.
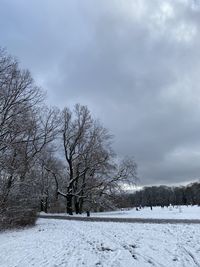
{"points": [[58, 158], [164, 196]]}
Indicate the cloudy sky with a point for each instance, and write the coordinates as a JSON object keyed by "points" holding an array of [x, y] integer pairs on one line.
{"points": [[135, 63]]}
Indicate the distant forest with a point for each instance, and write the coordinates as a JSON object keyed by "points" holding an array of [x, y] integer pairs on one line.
{"points": [[163, 196]]}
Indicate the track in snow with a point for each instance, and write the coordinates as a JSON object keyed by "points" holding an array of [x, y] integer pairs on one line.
{"points": [[121, 220], [76, 244]]}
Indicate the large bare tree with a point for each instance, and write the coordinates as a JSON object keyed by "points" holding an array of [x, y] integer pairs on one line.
{"points": [[91, 169]]}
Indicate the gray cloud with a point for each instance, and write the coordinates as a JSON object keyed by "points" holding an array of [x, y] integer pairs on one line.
{"points": [[134, 63]]}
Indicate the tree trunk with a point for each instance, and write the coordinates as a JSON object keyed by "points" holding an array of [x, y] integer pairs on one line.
{"points": [[69, 205], [44, 204], [77, 208], [81, 206], [41, 205], [6, 194]]}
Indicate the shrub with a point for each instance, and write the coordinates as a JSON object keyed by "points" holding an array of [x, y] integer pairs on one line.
{"points": [[17, 216]]}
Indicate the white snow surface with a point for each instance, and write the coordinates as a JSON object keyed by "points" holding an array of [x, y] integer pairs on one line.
{"points": [[74, 243], [176, 212]]}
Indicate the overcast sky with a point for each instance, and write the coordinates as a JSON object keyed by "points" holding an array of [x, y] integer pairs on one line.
{"points": [[135, 63]]}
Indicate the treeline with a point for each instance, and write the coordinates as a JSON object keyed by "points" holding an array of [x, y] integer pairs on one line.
{"points": [[162, 196], [52, 159]]}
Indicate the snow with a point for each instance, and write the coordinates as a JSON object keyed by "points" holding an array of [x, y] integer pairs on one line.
{"points": [[180, 212], [74, 243], [176, 212]]}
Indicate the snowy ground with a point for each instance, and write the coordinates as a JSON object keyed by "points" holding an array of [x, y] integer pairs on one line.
{"points": [[74, 243], [181, 212]]}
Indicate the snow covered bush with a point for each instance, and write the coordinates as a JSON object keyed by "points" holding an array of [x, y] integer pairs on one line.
{"points": [[17, 217], [20, 208]]}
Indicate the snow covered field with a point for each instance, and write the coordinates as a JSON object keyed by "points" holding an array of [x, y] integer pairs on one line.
{"points": [[74, 243], [181, 212]]}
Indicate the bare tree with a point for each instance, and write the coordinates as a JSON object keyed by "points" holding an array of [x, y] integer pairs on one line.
{"points": [[24, 131], [91, 170]]}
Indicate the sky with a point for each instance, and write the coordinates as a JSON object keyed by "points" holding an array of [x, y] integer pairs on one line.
{"points": [[136, 64]]}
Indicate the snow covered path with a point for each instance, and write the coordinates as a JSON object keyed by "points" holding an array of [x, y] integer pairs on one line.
{"points": [[119, 219], [170, 213], [74, 243]]}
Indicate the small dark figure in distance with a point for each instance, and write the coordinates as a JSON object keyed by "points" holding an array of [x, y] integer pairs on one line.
{"points": [[88, 213]]}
